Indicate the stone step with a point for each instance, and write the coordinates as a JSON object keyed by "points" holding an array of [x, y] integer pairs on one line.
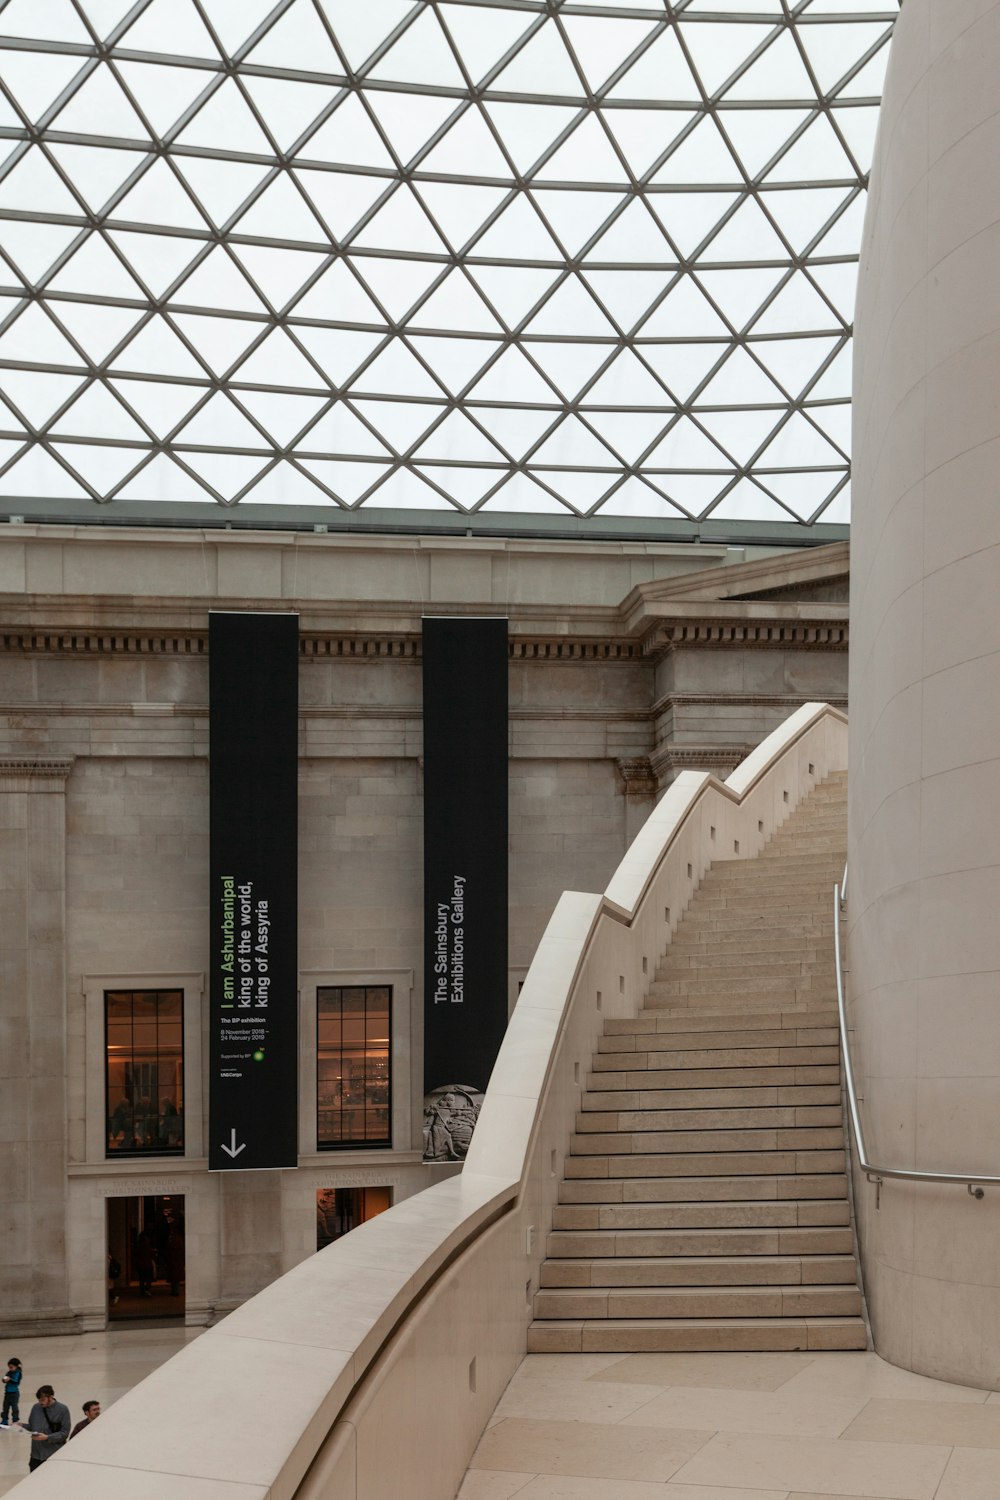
{"points": [[660, 1079], [699, 1302], [659, 1053], [674, 1100], [805, 960], [759, 937], [737, 898], [702, 1270], [706, 1163], [721, 981], [725, 1119], [647, 1142], [723, 1040], [710, 1018], [779, 1234], [827, 1185], [695, 1335], [752, 1001]]}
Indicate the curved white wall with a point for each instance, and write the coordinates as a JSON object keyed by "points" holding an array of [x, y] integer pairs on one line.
{"points": [[924, 933]]}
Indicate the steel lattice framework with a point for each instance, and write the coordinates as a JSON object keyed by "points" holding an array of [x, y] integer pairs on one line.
{"points": [[576, 259]]}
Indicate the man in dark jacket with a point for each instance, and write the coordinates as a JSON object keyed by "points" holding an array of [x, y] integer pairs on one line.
{"points": [[49, 1423], [91, 1411]]}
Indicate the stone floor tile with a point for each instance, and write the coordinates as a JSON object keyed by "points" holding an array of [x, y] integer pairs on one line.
{"points": [[892, 1471], [739, 1372], [955, 1424], [866, 1374], [568, 1366], [749, 1411], [487, 1484], [589, 1450], [972, 1474], [553, 1399]]}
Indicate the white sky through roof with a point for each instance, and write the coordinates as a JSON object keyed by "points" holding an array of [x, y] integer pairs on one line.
{"points": [[579, 259]]}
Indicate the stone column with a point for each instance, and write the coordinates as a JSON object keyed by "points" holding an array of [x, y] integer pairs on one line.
{"points": [[33, 1293]]}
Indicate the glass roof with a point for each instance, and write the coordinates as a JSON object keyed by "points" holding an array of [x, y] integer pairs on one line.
{"points": [[568, 260]]}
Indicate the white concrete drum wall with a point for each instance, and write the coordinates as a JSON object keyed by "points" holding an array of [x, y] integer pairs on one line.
{"points": [[924, 923]]}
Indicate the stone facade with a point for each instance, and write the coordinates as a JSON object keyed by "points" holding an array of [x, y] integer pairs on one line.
{"points": [[629, 662]]}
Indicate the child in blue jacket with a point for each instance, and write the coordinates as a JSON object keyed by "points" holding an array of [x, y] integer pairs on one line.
{"points": [[12, 1393]]}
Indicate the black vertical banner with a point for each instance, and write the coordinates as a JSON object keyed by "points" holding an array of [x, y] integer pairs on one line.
{"points": [[465, 873], [253, 994]]}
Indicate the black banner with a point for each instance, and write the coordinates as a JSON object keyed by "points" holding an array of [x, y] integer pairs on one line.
{"points": [[253, 994], [465, 873]]}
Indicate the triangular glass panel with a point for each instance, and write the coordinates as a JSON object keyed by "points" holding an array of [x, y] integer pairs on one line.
{"points": [[340, 198], [157, 259], [163, 93], [839, 282], [603, 43], [225, 122], [33, 338], [513, 290], [348, 481], [529, 130], [518, 234], [162, 479], [338, 295], [337, 351], [837, 47], [469, 148], [172, 26], [798, 305], [741, 433], [629, 432], [106, 15], [858, 126], [542, 66], [100, 467], [281, 416], [627, 383], [521, 496], [839, 508], [220, 186], [464, 485], [156, 350], [835, 421], [660, 73], [400, 423], [279, 273], [348, 137], [220, 424], [844, 236], [745, 502], [702, 156], [219, 341], [802, 493], [34, 186], [277, 361], [97, 414], [571, 443], [227, 473], [458, 438], [484, 34], [644, 134], [217, 282], [635, 238], [405, 490], [36, 394], [340, 431], [296, 39], [587, 156], [512, 378], [36, 79], [575, 217], [281, 212], [685, 312], [401, 224], [38, 475], [287, 108], [681, 367], [101, 99], [456, 305], [570, 310], [758, 134], [158, 198], [801, 213], [410, 120], [95, 269], [719, 49], [459, 209], [94, 172], [627, 295], [685, 446], [689, 217], [570, 366], [33, 248], [96, 329], [739, 293], [797, 445], [778, 74], [396, 372], [397, 284], [580, 488], [514, 429], [361, 29], [455, 361], [740, 382], [421, 55], [817, 156], [56, 21], [692, 493], [633, 498], [793, 362], [746, 236], [161, 406]]}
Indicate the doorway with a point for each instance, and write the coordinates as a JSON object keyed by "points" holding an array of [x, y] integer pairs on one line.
{"points": [[339, 1210], [145, 1258]]}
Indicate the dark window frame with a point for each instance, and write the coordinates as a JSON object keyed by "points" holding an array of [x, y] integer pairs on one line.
{"points": [[135, 1152], [356, 1143]]}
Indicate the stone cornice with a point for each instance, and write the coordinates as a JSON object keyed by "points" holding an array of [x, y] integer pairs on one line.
{"points": [[27, 774], [667, 760]]}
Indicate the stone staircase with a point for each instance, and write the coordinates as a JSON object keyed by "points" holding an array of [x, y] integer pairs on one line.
{"points": [[704, 1205]]}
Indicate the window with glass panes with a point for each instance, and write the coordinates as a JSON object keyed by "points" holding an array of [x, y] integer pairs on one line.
{"points": [[352, 1065], [144, 1072]]}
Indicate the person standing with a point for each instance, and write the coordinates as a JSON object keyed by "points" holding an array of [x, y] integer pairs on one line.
{"points": [[49, 1424], [12, 1393], [91, 1411]]}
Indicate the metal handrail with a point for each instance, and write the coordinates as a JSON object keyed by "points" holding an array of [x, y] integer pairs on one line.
{"points": [[872, 1170]]}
